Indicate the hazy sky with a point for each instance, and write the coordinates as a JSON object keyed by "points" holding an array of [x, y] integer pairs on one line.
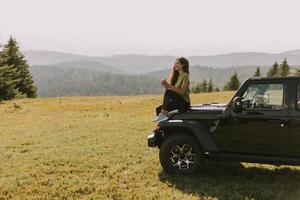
{"points": [[153, 27]]}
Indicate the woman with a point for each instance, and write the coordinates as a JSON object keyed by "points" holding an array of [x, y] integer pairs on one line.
{"points": [[177, 90]]}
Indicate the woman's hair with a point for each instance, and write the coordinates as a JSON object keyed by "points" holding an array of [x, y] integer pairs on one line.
{"points": [[185, 68]]}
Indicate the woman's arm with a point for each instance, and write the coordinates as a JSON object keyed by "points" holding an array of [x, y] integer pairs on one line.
{"points": [[171, 75], [181, 90]]}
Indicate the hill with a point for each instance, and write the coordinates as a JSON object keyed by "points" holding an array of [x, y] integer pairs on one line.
{"points": [[50, 57], [89, 80], [71, 74], [245, 59], [53, 81], [59, 80], [85, 64], [130, 63], [137, 64], [292, 52], [96, 148]]}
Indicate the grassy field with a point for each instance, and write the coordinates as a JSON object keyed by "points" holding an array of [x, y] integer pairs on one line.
{"points": [[96, 148]]}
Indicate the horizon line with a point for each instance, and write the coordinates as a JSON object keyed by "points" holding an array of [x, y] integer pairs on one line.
{"points": [[150, 55]]}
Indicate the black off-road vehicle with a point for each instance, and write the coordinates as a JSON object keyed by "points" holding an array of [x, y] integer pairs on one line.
{"points": [[260, 124]]}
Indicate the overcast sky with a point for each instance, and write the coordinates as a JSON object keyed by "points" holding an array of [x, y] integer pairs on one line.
{"points": [[153, 27]]}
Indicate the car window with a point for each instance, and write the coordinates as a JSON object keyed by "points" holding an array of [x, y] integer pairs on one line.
{"points": [[263, 97]]}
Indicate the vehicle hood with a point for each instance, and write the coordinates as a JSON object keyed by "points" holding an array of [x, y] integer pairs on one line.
{"points": [[201, 111]]}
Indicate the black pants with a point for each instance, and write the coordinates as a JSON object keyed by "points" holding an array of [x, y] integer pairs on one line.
{"points": [[173, 101]]}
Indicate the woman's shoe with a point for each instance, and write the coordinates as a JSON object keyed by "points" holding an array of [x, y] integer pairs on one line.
{"points": [[160, 117]]}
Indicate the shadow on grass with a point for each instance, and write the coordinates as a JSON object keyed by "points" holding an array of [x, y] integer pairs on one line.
{"points": [[228, 180]]}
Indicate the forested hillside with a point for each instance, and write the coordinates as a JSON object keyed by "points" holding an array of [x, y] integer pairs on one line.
{"points": [[85, 64], [64, 81], [70, 74]]}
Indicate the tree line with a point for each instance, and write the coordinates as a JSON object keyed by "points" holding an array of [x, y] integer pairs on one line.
{"points": [[66, 81], [15, 78], [282, 70], [208, 86], [233, 83]]}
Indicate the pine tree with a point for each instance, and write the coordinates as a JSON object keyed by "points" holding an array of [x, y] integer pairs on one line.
{"points": [[210, 86], [284, 68], [233, 83], [7, 83], [273, 71], [203, 86], [11, 56], [196, 88], [257, 73]]}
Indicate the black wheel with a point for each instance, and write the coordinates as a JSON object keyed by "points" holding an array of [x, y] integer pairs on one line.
{"points": [[181, 154]]}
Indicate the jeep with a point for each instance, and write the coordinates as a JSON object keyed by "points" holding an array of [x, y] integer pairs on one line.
{"points": [[260, 124]]}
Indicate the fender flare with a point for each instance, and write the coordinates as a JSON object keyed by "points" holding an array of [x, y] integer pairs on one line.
{"points": [[197, 129]]}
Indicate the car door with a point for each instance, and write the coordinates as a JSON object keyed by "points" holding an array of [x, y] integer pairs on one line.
{"points": [[293, 144], [259, 128]]}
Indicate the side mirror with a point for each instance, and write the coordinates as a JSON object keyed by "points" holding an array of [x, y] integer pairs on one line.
{"points": [[266, 98], [237, 104]]}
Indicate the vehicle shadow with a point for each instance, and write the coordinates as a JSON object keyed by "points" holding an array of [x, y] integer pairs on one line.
{"points": [[229, 180]]}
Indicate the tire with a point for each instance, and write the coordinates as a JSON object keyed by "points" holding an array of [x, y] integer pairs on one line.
{"points": [[181, 154]]}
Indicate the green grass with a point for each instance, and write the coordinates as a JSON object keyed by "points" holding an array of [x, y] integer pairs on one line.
{"points": [[96, 148]]}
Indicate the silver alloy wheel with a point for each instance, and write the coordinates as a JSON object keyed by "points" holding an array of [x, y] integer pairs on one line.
{"points": [[182, 156]]}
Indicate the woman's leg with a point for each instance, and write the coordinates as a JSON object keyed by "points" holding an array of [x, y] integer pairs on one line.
{"points": [[168, 102], [158, 110], [173, 101], [181, 104]]}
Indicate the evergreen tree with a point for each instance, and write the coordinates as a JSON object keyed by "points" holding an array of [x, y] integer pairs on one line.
{"points": [[196, 88], [210, 86], [273, 71], [201, 87], [11, 56], [284, 68], [257, 73], [7, 83], [233, 83]]}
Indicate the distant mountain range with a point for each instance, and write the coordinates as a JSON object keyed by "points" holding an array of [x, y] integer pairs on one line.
{"points": [[131, 64], [61, 74], [137, 64]]}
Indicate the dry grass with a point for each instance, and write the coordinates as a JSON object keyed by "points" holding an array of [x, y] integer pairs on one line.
{"points": [[95, 148]]}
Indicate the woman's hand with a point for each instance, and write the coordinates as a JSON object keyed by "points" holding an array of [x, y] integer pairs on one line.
{"points": [[164, 83], [171, 75]]}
